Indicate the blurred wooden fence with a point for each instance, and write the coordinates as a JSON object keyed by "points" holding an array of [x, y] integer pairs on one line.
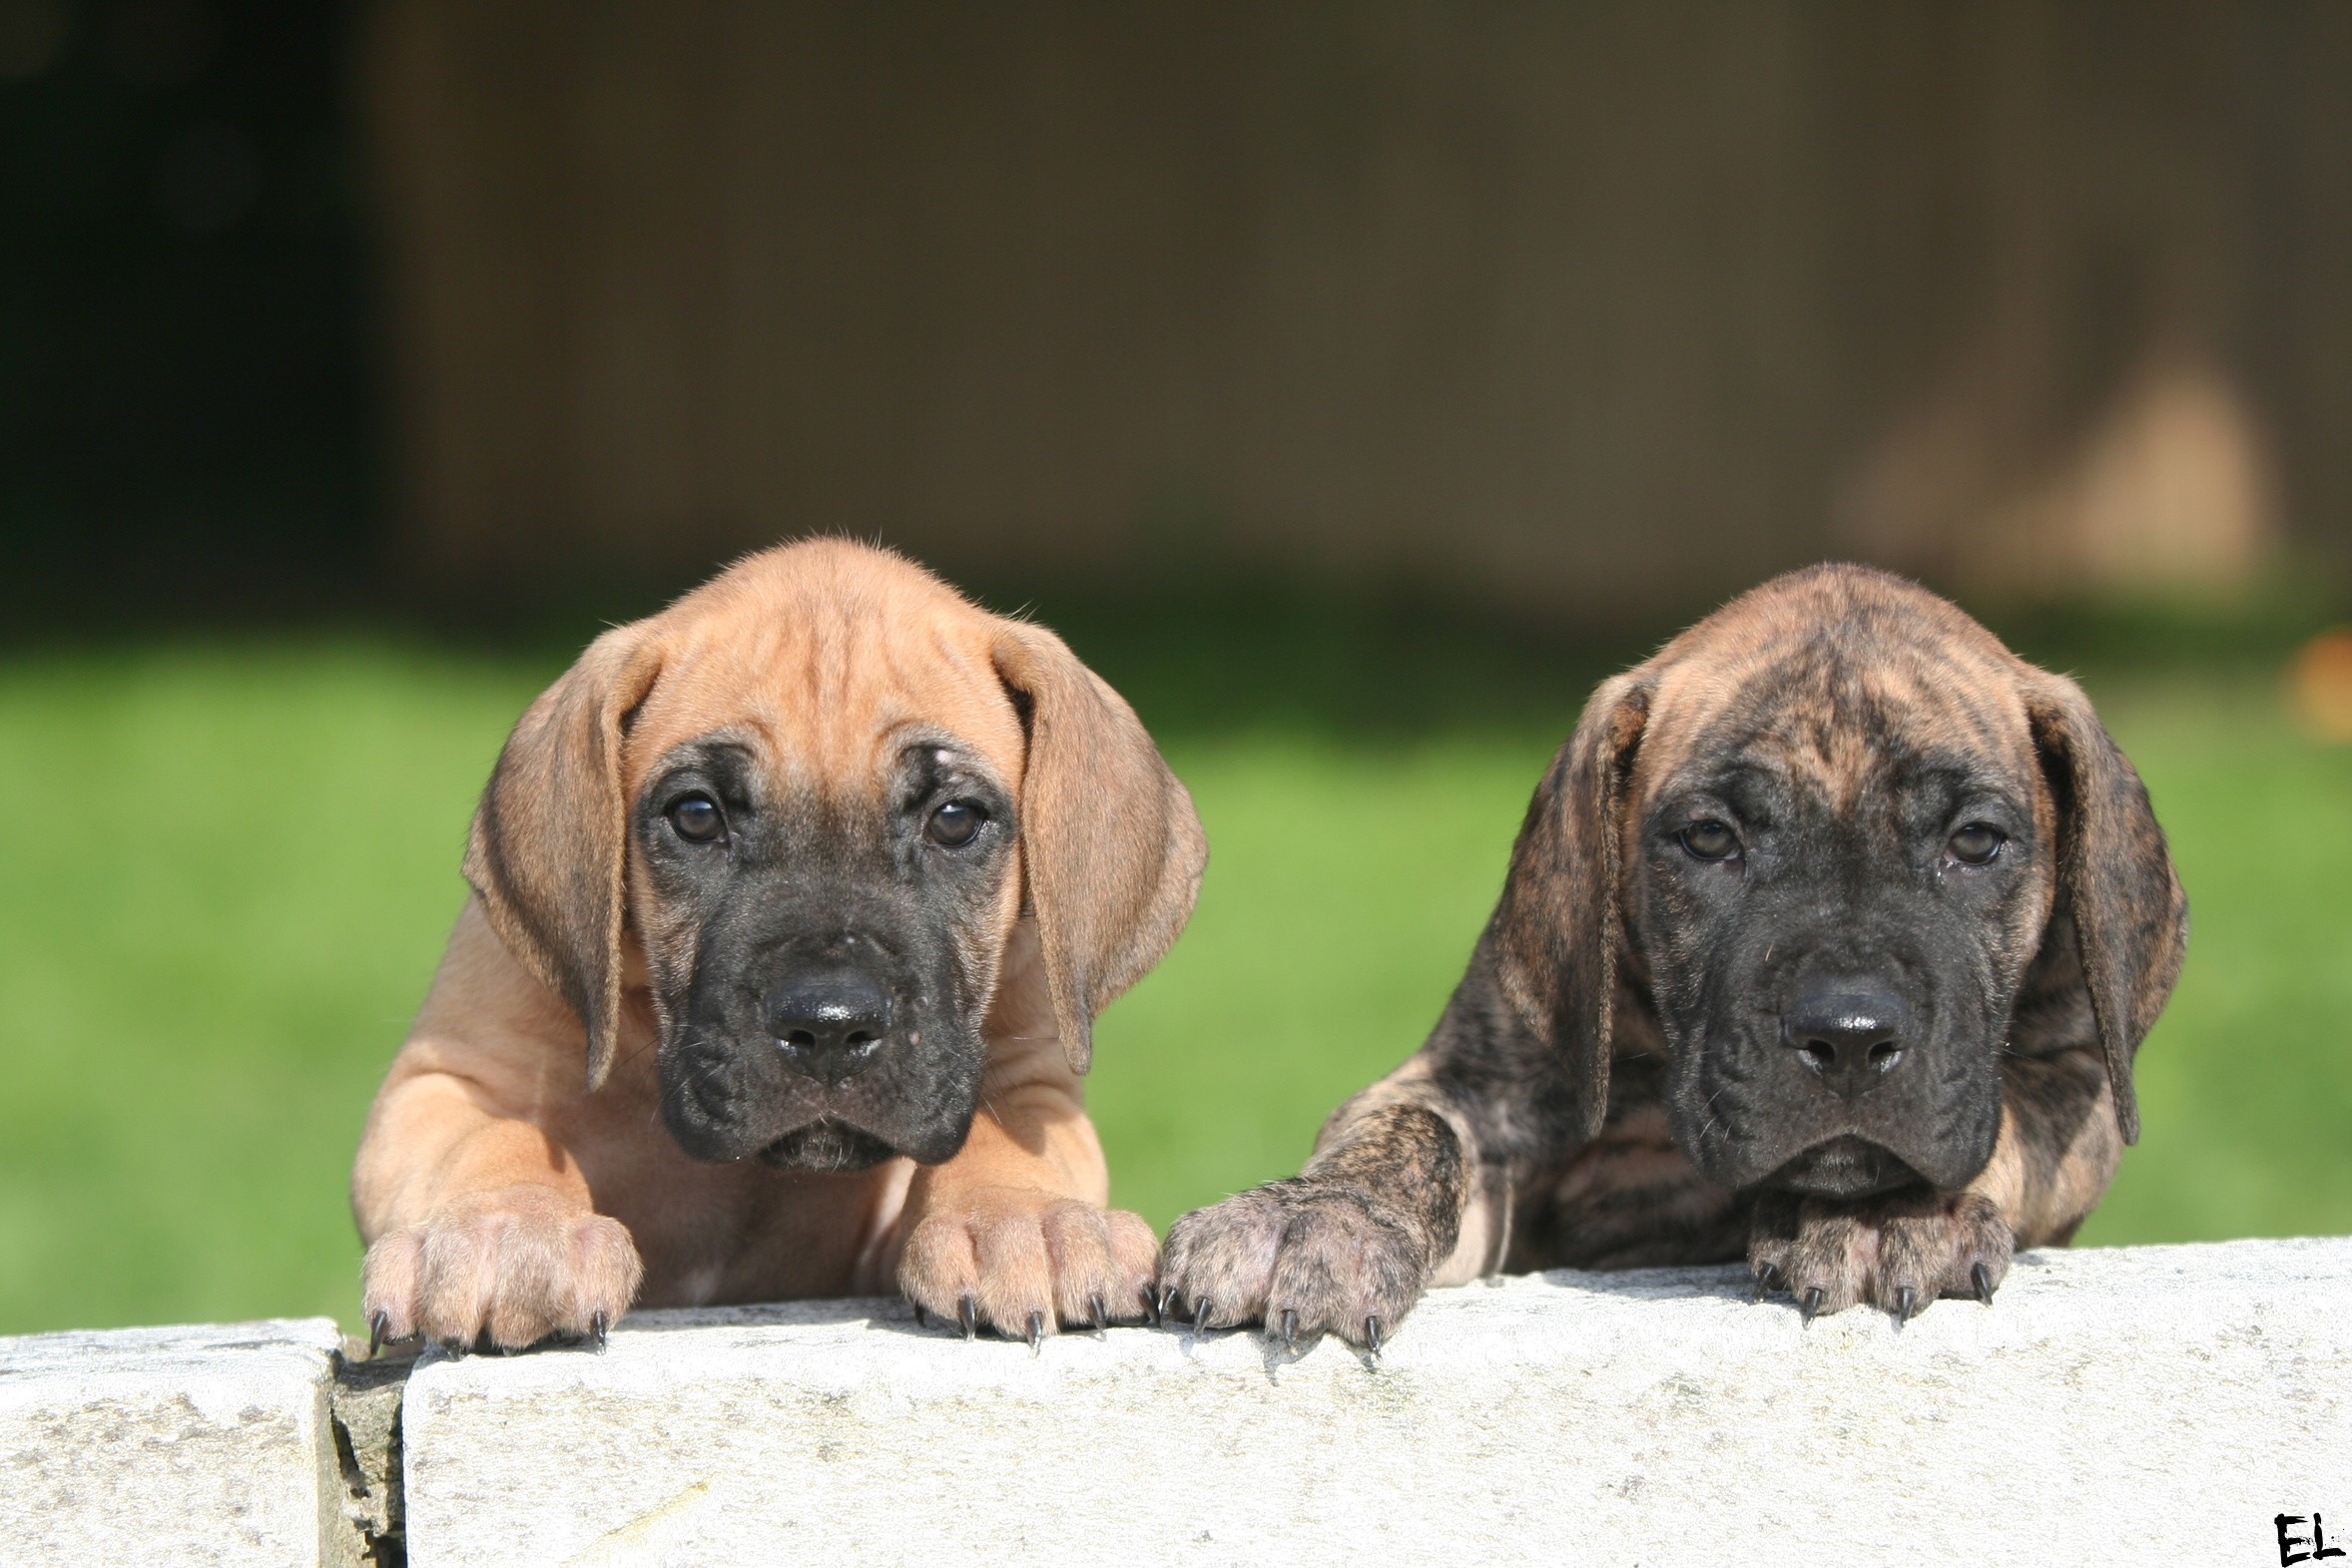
{"points": [[1583, 306]]}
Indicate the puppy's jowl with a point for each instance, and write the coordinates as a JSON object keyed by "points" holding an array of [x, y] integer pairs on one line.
{"points": [[1827, 942], [793, 909]]}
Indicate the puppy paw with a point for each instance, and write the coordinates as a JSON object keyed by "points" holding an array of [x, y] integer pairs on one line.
{"points": [[1028, 1263], [1304, 1258], [506, 1268], [1899, 1252]]}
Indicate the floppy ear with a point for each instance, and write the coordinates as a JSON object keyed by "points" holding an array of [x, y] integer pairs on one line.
{"points": [[548, 847], [1555, 933], [2116, 880], [1111, 846]]}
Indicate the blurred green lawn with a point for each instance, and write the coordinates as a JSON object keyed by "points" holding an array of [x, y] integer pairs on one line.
{"points": [[226, 871]]}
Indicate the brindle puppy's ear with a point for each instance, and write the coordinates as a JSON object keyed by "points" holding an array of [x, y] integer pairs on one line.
{"points": [[1112, 848], [548, 848], [1556, 932], [2115, 880]]}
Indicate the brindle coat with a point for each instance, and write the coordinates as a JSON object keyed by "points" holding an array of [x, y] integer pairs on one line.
{"points": [[1828, 942], [793, 908]]}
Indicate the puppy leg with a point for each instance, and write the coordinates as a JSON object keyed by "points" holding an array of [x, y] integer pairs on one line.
{"points": [[2057, 1152], [1015, 1232], [480, 1227], [1393, 1201]]}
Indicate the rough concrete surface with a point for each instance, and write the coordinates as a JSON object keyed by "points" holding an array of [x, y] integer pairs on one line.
{"points": [[2155, 1404], [191, 1445]]}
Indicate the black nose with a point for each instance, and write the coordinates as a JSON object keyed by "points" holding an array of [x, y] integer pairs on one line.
{"points": [[829, 1029], [1851, 1037]]}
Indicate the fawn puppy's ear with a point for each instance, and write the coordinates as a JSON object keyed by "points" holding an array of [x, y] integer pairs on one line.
{"points": [[2116, 880], [1555, 935], [1110, 844], [548, 848]]}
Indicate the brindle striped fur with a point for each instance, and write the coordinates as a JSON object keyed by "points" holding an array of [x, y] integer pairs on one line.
{"points": [[1611, 1085]]}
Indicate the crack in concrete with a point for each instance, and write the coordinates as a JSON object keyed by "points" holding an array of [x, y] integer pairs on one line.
{"points": [[365, 1404]]}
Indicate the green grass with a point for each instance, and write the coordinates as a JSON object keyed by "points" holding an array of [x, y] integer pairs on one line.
{"points": [[226, 871]]}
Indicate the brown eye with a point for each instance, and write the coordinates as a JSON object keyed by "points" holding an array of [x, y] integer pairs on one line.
{"points": [[1978, 843], [696, 818], [952, 825], [1710, 841]]}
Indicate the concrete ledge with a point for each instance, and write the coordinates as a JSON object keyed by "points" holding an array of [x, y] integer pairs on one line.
{"points": [[169, 1446], [2147, 1404], [2135, 1405]]}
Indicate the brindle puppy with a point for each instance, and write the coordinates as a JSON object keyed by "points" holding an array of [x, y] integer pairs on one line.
{"points": [[793, 908], [1828, 942]]}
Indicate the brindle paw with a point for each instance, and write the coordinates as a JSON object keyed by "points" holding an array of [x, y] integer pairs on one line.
{"points": [[1304, 1258], [1899, 1252], [505, 1270], [1028, 1264]]}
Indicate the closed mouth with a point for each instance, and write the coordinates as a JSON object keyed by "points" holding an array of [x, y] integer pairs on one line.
{"points": [[1844, 1167], [828, 1145]]}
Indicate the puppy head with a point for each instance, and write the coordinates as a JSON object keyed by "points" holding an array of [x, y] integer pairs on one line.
{"points": [[1846, 849], [820, 795]]}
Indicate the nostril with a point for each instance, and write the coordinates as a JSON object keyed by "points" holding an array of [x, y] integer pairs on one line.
{"points": [[800, 1040], [1821, 1054], [1883, 1054]]}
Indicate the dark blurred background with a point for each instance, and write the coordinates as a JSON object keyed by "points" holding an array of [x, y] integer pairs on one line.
{"points": [[192, 350], [1351, 384], [1576, 308]]}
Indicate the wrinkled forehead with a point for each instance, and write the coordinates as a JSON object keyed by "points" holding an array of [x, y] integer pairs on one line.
{"points": [[831, 700], [1837, 714]]}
